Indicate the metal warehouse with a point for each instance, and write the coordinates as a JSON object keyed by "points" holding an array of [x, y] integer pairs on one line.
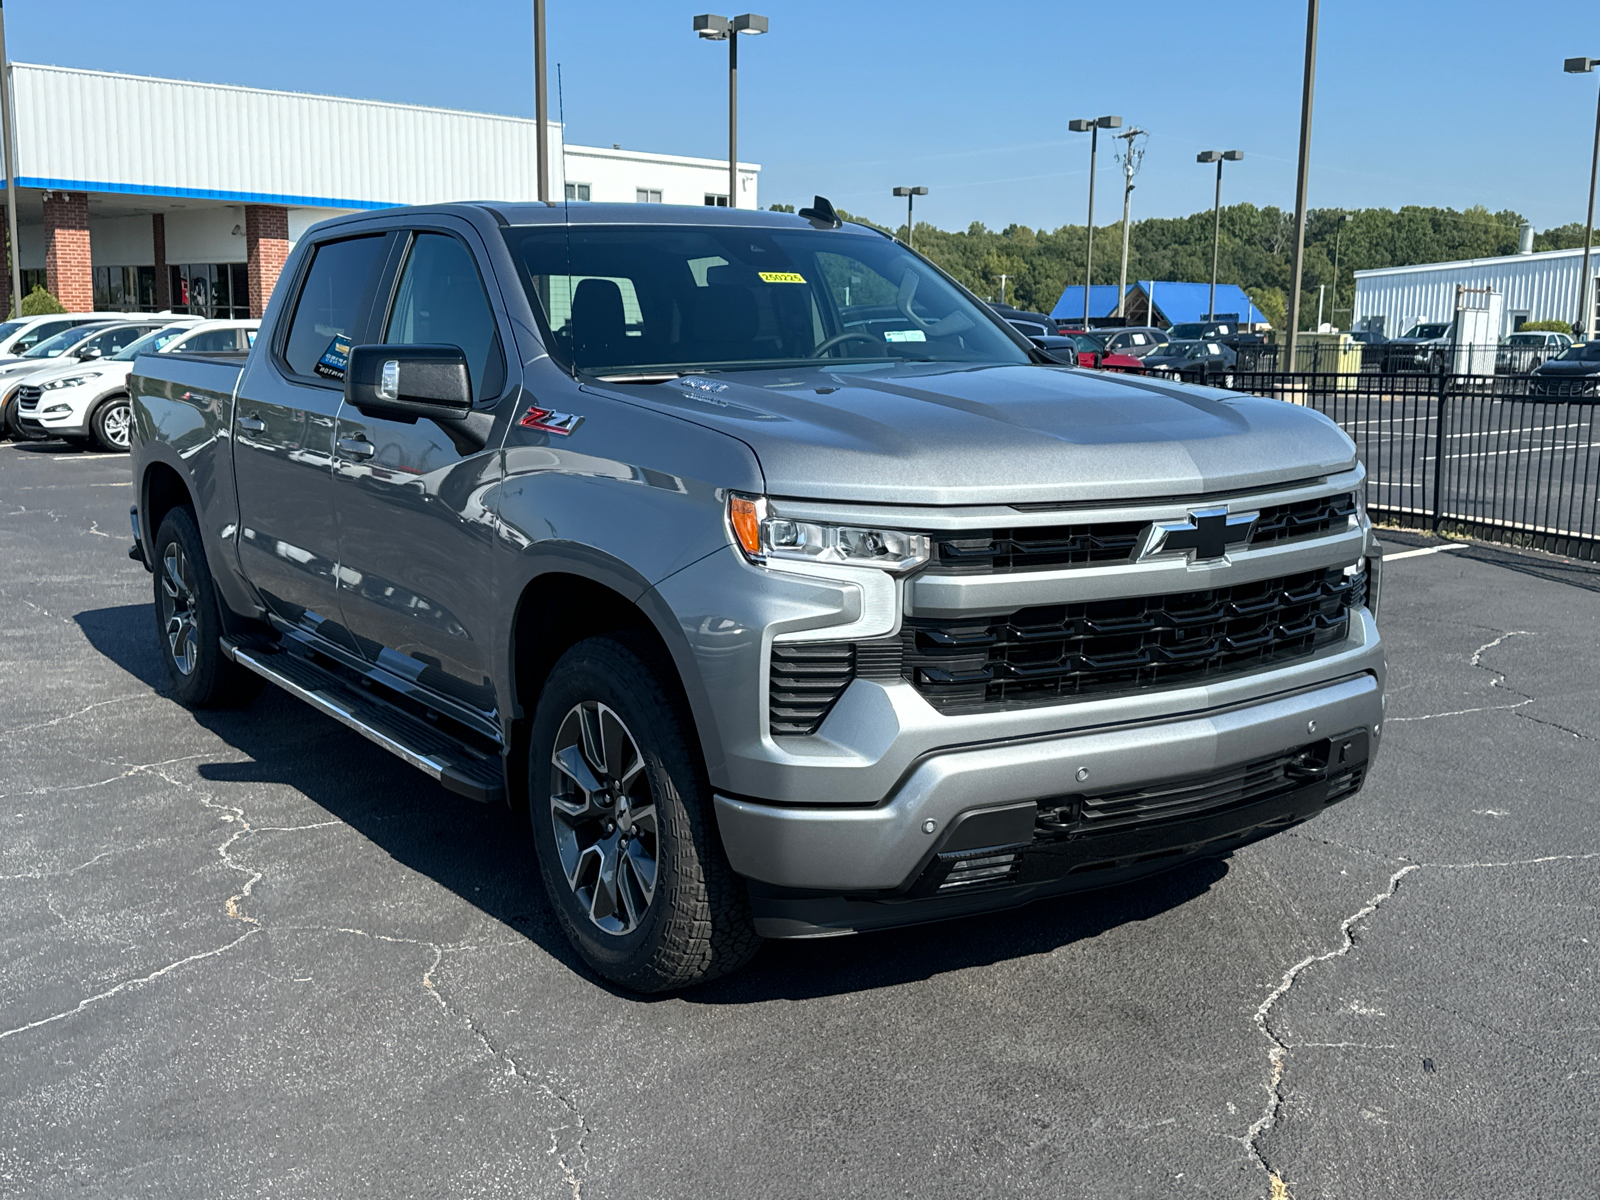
{"points": [[143, 194], [1535, 287]]}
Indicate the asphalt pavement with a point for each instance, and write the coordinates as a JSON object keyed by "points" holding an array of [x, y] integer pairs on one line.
{"points": [[248, 954]]}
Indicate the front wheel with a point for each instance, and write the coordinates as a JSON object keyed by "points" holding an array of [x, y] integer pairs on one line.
{"points": [[189, 620], [622, 822], [112, 424]]}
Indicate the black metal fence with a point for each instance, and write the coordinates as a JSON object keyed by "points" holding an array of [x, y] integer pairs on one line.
{"points": [[1485, 455], [1386, 358]]}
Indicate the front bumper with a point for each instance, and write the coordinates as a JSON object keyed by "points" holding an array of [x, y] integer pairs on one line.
{"points": [[822, 869]]}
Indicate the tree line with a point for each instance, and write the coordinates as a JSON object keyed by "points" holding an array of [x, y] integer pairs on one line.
{"points": [[1256, 249]]}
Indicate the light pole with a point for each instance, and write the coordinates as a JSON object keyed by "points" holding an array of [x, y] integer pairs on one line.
{"points": [[8, 131], [1218, 157], [1132, 155], [1302, 182], [1582, 66], [1338, 231], [910, 193], [1092, 127], [720, 29], [541, 137]]}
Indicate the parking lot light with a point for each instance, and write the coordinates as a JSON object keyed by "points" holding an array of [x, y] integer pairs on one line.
{"points": [[910, 193], [1582, 66], [713, 28], [1219, 157], [1092, 126]]}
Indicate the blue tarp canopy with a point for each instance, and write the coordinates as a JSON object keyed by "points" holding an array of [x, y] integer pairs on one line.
{"points": [[1102, 302], [1180, 302]]}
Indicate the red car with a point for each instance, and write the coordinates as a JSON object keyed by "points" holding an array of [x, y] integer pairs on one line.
{"points": [[1092, 353]]}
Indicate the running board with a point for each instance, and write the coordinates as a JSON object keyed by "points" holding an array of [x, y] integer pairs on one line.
{"points": [[460, 768]]}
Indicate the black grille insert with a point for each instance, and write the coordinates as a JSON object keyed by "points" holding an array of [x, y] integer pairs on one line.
{"points": [[807, 679], [1046, 547], [1047, 654]]}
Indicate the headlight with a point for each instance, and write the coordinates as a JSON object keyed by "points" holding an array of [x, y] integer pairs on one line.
{"points": [[69, 381], [1360, 520], [762, 536]]}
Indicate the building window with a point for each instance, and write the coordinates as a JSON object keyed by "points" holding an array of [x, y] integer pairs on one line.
{"points": [[577, 191], [647, 195], [34, 277], [211, 290], [713, 200], [125, 289]]}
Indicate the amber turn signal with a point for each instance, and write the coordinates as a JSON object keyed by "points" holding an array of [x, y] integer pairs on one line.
{"points": [[745, 517]]}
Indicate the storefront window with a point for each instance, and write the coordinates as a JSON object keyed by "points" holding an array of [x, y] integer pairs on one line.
{"points": [[124, 289], [211, 290]]}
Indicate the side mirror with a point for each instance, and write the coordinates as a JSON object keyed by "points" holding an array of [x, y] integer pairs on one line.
{"points": [[406, 382], [88, 355]]}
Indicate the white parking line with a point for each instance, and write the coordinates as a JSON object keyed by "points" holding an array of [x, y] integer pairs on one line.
{"points": [[1424, 550]]}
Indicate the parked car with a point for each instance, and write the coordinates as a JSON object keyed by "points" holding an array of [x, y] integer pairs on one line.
{"points": [[1422, 348], [1136, 341], [86, 403], [1574, 372], [24, 333], [707, 588], [1194, 362], [1093, 351], [73, 347], [1194, 331], [1522, 352], [1029, 324]]}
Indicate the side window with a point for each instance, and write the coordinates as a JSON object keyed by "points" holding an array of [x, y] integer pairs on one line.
{"points": [[212, 341], [331, 306], [109, 342], [41, 331], [440, 302]]}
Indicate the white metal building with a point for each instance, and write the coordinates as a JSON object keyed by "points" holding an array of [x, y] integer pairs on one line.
{"points": [[1539, 286], [156, 193]]}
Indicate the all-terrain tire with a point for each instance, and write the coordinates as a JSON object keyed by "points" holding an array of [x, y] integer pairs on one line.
{"points": [[697, 925], [189, 620]]}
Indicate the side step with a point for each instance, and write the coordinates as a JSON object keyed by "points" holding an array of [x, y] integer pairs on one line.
{"points": [[459, 767]]}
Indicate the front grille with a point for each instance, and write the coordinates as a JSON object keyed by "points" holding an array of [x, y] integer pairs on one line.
{"points": [[1555, 386], [1054, 652], [1046, 547], [28, 398], [807, 679]]}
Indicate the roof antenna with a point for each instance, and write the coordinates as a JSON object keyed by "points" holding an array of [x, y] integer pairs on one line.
{"points": [[821, 214]]}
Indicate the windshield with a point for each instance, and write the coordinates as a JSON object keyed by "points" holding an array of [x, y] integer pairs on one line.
{"points": [[62, 342], [7, 328], [1428, 331], [1087, 343], [150, 343], [1192, 329], [647, 299], [1589, 351]]}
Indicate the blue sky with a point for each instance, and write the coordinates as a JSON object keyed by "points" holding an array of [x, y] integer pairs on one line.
{"points": [[1449, 102]]}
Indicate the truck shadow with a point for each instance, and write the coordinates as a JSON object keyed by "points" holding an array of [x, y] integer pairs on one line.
{"points": [[478, 852]]}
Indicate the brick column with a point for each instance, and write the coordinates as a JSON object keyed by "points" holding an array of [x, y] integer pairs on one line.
{"points": [[69, 274], [266, 235], [158, 235]]}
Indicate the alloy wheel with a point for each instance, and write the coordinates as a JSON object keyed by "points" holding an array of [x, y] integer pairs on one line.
{"points": [[178, 609], [117, 422], [604, 818]]}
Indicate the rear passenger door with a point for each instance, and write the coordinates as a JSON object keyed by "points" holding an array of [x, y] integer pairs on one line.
{"points": [[415, 540], [283, 430]]}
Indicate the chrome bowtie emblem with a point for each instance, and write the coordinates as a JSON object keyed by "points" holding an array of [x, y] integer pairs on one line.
{"points": [[1207, 534]]}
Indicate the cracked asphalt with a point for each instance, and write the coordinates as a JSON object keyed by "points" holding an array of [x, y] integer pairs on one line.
{"points": [[249, 954]]}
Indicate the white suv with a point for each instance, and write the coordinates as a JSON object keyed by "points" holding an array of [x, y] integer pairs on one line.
{"points": [[19, 336], [86, 402]]}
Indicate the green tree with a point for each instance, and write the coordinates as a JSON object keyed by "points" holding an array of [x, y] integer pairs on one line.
{"points": [[40, 303]]}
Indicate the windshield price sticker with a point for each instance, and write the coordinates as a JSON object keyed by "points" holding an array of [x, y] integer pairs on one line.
{"points": [[904, 335], [334, 359], [781, 277]]}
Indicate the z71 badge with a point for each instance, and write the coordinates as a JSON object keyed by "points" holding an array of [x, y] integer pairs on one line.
{"points": [[550, 422]]}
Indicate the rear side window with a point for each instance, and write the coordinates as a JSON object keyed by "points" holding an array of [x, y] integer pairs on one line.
{"points": [[112, 340], [212, 341], [440, 302], [332, 307], [41, 331]]}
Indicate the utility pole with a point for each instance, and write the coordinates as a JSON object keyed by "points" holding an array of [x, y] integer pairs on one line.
{"points": [[1130, 156], [1582, 66], [541, 111], [1338, 232], [8, 130], [1297, 273], [1002, 289]]}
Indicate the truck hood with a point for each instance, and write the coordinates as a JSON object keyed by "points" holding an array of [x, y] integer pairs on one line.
{"points": [[943, 434]]}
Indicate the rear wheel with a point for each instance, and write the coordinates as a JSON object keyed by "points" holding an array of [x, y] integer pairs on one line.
{"points": [[112, 423], [189, 620], [622, 823]]}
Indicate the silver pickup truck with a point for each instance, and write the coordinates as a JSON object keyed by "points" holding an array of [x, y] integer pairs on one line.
{"points": [[777, 587]]}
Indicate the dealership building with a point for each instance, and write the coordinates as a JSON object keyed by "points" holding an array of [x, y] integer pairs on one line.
{"points": [[143, 194], [1533, 286]]}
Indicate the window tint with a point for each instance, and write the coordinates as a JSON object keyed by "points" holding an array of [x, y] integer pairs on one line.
{"points": [[40, 332], [440, 302], [112, 340], [212, 341], [331, 306]]}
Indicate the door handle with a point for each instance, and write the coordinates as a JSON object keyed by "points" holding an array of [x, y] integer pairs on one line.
{"points": [[252, 424], [356, 447]]}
